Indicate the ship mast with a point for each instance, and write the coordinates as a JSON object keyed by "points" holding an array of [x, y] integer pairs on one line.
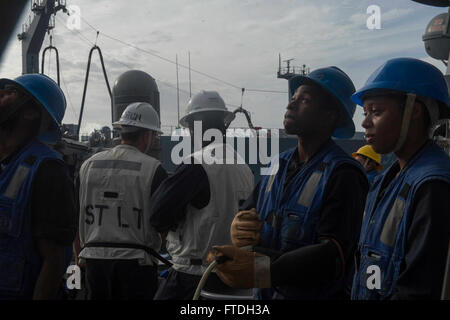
{"points": [[33, 32]]}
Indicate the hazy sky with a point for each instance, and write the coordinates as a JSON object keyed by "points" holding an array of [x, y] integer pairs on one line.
{"points": [[237, 41]]}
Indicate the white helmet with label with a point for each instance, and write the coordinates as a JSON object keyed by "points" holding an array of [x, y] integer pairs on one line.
{"points": [[206, 101], [139, 115]]}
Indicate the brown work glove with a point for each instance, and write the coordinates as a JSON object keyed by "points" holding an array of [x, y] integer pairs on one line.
{"points": [[245, 228], [246, 269]]}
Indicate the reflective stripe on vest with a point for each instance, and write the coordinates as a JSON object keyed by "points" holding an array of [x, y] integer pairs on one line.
{"points": [[116, 164], [16, 182], [389, 232], [309, 190], [270, 183]]}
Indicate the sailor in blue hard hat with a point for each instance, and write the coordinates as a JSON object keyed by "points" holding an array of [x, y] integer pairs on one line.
{"points": [[37, 205], [406, 228], [301, 224]]}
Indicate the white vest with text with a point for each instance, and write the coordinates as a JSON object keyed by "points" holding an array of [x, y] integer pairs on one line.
{"points": [[115, 189]]}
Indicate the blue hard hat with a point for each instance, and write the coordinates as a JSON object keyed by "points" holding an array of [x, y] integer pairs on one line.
{"points": [[408, 75], [336, 82], [47, 94]]}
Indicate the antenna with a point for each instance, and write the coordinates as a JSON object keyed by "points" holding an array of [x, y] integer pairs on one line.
{"points": [[190, 91], [288, 72], [279, 63], [178, 90], [288, 61]]}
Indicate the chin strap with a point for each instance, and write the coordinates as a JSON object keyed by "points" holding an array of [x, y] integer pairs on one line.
{"points": [[366, 162], [149, 144], [433, 110], [410, 100], [46, 121]]}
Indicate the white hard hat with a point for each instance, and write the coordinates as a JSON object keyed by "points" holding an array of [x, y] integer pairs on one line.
{"points": [[139, 115], [206, 101]]}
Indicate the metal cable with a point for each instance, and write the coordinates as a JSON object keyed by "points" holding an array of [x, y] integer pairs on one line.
{"points": [[181, 65], [86, 83]]}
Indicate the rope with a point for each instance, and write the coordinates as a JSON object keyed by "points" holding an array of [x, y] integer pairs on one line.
{"points": [[203, 280]]}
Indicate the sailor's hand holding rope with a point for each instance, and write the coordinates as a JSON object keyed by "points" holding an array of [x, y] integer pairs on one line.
{"points": [[239, 266], [242, 268]]}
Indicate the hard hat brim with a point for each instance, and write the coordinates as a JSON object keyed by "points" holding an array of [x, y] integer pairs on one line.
{"points": [[379, 167], [119, 125], [357, 97], [390, 86], [228, 116]]}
